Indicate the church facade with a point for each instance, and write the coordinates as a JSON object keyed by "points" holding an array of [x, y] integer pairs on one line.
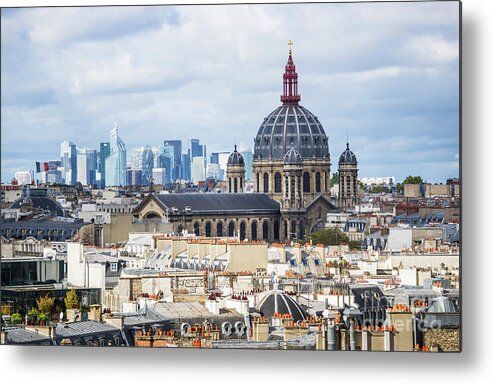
{"points": [[291, 171]]}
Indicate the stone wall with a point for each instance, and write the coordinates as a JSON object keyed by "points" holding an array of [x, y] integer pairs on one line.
{"points": [[445, 339]]}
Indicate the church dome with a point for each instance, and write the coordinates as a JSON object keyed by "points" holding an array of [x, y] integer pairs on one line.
{"points": [[236, 158], [292, 157], [286, 304], [348, 157], [291, 125]]}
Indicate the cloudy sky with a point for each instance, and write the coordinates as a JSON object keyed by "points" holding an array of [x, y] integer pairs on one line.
{"points": [[386, 75]]}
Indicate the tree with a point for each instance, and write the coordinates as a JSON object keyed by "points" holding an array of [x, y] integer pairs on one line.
{"points": [[378, 189], [329, 236], [334, 179], [71, 300], [413, 180], [45, 304], [16, 318]]}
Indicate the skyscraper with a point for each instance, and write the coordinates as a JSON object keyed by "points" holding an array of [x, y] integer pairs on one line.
{"points": [[196, 149], [147, 165], [248, 158], [199, 165], [116, 162], [82, 166], [177, 165], [104, 152], [68, 154], [186, 167], [165, 160]]}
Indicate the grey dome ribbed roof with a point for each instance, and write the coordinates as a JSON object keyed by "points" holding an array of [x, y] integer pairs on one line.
{"points": [[285, 304], [292, 157], [291, 125], [348, 157], [236, 158]]}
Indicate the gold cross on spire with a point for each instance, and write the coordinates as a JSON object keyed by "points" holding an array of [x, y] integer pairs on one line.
{"points": [[290, 43]]}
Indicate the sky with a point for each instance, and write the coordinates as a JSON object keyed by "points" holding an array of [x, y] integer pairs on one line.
{"points": [[384, 75]]}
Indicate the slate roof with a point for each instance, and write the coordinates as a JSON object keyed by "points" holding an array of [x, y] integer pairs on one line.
{"points": [[27, 337], [285, 304], [52, 230], [83, 328], [219, 202], [41, 202], [369, 296]]}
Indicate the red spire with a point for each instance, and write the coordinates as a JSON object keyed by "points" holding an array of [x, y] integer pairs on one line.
{"points": [[290, 77]]}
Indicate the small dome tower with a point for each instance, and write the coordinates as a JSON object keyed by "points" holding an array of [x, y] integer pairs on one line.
{"points": [[236, 172], [348, 179]]}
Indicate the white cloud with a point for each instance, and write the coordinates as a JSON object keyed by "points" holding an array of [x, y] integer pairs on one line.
{"points": [[384, 72]]}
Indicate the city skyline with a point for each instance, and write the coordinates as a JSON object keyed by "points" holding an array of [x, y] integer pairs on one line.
{"points": [[111, 73]]}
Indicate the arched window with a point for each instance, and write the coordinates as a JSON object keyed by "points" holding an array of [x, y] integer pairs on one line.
{"points": [[230, 190], [231, 229], [306, 182], [317, 183], [219, 229], [208, 229], [293, 229], [277, 183], [258, 182], [242, 230], [265, 231], [276, 230], [254, 230], [236, 185], [196, 229], [326, 177], [266, 182]]}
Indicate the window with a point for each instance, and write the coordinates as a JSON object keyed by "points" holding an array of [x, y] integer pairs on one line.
{"points": [[235, 182], [196, 229], [317, 183], [208, 229], [242, 230], [276, 230], [265, 231], [254, 230], [113, 267], [277, 183], [266, 182], [219, 229], [306, 182], [231, 229]]}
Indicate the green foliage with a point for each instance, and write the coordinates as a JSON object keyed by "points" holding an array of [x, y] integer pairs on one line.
{"points": [[329, 236], [45, 304], [354, 244], [399, 188], [16, 318], [361, 185], [71, 300], [334, 179], [33, 314], [378, 189], [43, 317], [413, 180]]}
